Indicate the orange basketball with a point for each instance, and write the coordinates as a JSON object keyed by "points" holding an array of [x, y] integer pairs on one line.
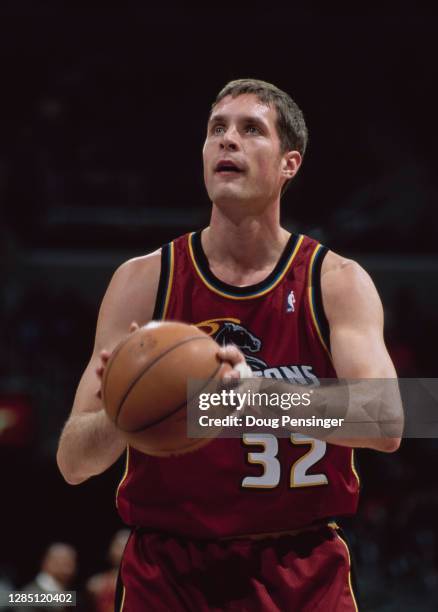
{"points": [[144, 386]]}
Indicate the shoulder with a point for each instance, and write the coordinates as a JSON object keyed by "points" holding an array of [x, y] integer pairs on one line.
{"points": [[347, 289], [138, 268], [137, 277], [130, 296], [340, 274], [340, 265]]}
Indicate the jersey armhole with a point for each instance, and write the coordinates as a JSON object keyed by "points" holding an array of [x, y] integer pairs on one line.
{"points": [[316, 304], [165, 283]]}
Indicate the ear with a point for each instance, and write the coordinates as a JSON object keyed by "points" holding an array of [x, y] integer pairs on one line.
{"points": [[290, 164]]}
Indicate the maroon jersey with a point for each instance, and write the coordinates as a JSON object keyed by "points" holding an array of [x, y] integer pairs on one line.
{"points": [[259, 483], [306, 572]]}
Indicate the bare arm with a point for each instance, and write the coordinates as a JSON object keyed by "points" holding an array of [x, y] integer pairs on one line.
{"points": [[90, 443], [355, 315]]}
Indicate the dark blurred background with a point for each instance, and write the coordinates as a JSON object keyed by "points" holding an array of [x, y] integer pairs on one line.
{"points": [[102, 121]]}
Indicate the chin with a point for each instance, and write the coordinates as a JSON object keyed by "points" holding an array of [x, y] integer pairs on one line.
{"points": [[225, 193]]}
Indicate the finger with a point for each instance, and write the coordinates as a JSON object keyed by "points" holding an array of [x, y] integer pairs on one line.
{"points": [[133, 327], [100, 371], [243, 369], [231, 353], [238, 378], [104, 355], [231, 375], [230, 380]]}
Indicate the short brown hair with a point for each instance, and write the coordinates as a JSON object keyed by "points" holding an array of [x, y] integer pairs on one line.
{"points": [[291, 126]]}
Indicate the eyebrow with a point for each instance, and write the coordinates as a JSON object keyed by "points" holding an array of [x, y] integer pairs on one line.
{"points": [[243, 118]]}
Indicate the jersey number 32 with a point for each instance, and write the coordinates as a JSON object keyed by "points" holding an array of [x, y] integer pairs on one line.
{"points": [[268, 459]]}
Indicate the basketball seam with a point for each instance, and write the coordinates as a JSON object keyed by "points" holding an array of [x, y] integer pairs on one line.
{"points": [[148, 366], [175, 410], [108, 368]]}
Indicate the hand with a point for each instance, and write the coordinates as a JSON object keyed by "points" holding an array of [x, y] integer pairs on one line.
{"points": [[104, 358], [241, 369], [239, 377]]}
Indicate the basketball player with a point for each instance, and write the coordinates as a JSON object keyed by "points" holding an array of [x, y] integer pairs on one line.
{"points": [[240, 524]]}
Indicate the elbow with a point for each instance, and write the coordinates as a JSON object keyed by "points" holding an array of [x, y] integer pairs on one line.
{"points": [[70, 475], [72, 479], [389, 445]]}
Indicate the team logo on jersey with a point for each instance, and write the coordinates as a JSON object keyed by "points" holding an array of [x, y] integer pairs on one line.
{"points": [[230, 331], [290, 306]]}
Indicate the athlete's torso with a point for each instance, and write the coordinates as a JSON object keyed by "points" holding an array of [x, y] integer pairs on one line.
{"points": [[260, 483]]}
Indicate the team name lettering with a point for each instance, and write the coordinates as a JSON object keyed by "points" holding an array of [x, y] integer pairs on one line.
{"points": [[298, 374]]}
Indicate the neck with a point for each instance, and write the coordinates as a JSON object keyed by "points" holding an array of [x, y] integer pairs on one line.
{"points": [[245, 244]]}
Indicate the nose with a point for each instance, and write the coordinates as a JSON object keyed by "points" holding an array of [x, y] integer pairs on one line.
{"points": [[230, 140]]}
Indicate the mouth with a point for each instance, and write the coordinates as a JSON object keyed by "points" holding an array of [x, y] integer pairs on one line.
{"points": [[226, 167]]}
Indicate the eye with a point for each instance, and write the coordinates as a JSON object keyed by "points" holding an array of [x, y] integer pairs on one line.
{"points": [[218, 129], [253, 129]]}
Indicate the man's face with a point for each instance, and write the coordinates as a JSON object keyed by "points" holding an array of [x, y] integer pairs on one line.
{"points": [[60, 562], [242, 155]]}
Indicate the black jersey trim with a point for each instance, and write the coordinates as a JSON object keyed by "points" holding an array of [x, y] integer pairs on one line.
{"points": [[251, 291], [164, 283], [318, 305]]}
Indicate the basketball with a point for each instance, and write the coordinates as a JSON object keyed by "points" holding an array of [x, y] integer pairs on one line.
{"points": [[144, 387]]}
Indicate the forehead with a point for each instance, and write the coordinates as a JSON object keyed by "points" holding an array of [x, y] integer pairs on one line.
{"points": [[245, 105], [64, 554]]}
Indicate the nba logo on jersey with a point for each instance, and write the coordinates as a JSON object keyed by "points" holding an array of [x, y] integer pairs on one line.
{"points": [[290, 302]]}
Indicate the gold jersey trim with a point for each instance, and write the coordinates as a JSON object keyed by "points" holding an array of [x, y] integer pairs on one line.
{"points": [[350, 586], [125, 474], [170, 279]]}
